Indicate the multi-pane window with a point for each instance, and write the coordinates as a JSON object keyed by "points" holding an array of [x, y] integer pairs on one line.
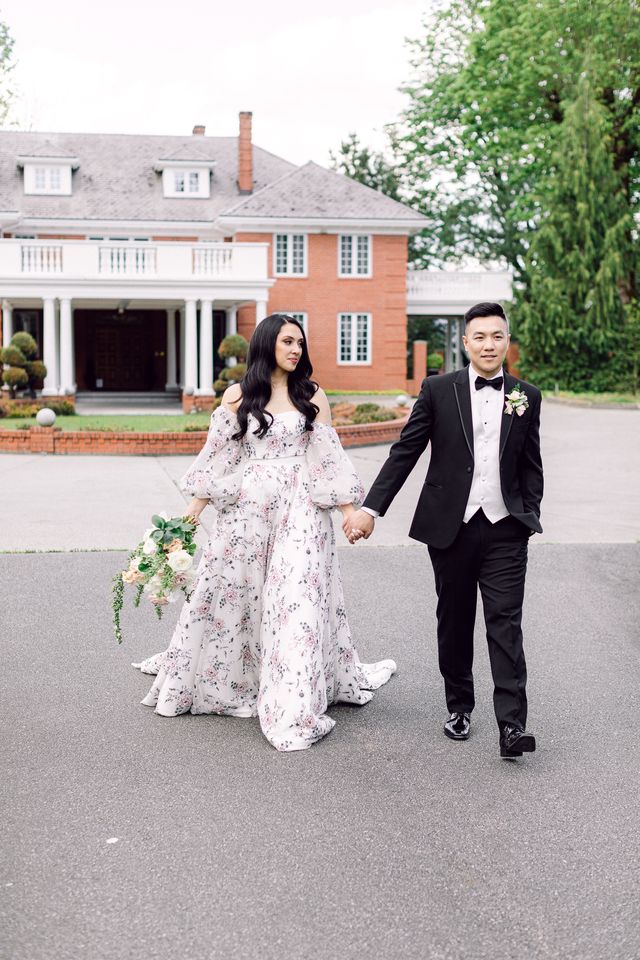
{"points": [[39, 178], [290, 254], [354, 338], [354, 255], [183, 182], [300, 317]]}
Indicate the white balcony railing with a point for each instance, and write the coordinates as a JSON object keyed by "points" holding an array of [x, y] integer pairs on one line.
{"points": [[41, 258], [86, 260], [456, 288]]}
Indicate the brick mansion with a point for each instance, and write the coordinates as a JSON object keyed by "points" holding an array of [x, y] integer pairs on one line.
{"points": [[130, 257]]}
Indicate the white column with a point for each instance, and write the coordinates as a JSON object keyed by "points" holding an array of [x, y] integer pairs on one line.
{"points": [[182, 346], [232, 321], [50, 347], [190, 379], [67, 373], [7, 323], [261, 310], [57, 311], [171, 350], [206, 347]]}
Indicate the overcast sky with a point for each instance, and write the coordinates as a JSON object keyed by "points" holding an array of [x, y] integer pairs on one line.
{"points": [[311, 73]]}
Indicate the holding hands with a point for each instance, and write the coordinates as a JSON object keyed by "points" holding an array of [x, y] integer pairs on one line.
{"points": [[357, 524]]}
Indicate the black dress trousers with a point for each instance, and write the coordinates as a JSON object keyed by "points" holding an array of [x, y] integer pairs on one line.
{"points": [[494, 558]]}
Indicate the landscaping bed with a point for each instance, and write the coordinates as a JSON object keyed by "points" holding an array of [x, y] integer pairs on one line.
{"points": [[155, 435]]}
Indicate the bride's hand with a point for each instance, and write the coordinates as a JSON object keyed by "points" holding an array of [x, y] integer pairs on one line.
{"points": [[195, 508]]}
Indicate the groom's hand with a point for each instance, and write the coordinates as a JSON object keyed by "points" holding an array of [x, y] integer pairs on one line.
{"points": [[359, 524]]}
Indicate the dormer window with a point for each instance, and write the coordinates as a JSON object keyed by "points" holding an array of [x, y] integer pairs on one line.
{"points": [[48, 175], [186, 173], [187, 182]]}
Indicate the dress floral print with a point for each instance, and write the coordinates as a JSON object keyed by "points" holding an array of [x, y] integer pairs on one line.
{"points": [[265, 631]]}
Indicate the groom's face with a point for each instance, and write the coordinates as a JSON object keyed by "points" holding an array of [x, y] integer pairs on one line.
{"points": [[486, 340]]}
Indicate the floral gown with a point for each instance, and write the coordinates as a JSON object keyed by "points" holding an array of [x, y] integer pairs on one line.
{"points": [[265, 631]]}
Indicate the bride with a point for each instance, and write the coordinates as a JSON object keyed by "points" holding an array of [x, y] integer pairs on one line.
{"points": [[265, 630]]}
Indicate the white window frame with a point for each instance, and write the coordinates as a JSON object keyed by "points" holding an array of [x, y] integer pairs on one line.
{"points": [[354, 315], [305, 256], [301, 316], [354, 238], [170, 176], [47, 179]]}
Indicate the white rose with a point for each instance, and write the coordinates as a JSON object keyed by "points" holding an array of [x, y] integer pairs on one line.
{"points": [[153, 584], [520, 410], [514, 395], [179, 561], [149, 547]]}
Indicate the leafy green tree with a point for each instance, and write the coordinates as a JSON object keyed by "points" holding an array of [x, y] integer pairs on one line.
{"points": [[6, 68], [366, 166], [580, 257], [486, 108]]}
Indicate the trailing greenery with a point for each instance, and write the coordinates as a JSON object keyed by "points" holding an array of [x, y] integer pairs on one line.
{"points": [[7, 64]]}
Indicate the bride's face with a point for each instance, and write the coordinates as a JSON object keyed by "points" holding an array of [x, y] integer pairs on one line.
{"points": [[289, 347]]}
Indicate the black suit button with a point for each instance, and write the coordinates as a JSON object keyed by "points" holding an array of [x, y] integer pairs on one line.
{"points": [[468, 469]]}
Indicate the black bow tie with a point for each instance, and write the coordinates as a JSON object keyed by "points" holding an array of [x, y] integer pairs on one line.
{"points": [[496, 383]]}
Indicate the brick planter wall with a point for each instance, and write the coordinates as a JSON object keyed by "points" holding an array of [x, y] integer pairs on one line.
{"points": [[55, 440]]}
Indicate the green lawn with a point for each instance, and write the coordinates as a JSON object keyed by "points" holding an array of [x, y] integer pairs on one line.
{"points": [[146, 423], [591, 398]]}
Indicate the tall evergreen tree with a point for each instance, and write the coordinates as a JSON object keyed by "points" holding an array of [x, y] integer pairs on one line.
{"points": [[580, 257]]}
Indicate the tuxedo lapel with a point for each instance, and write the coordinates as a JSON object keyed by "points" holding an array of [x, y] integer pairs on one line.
{"points": [[507, 420], [463, 400]]}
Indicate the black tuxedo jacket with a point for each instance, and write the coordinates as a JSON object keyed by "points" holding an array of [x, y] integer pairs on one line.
{"points": [[442, 415]]}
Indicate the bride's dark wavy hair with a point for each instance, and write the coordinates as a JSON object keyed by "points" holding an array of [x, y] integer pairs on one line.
{"points": [[256, 383]]}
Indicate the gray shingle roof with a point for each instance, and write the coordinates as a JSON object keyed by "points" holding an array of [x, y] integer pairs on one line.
{"points": [[312, 191], [116, 179]]}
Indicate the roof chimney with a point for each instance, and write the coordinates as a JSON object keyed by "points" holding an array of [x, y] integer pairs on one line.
{"points": [[198, 130], [245, 154]]}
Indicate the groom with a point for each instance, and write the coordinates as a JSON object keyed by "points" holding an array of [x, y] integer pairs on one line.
{"points": [[479, 505]]}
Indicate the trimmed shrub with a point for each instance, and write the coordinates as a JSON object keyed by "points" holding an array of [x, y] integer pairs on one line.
{"points": [[220, 386], [25, 342], [15, 377], [13, 356], [36, 370], [233, 346]]}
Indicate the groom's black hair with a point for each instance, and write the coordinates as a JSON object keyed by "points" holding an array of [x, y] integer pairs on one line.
{"points": [[485, 310]]}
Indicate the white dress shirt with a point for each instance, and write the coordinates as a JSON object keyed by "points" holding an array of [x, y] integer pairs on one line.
{"points": [[486, 410]]}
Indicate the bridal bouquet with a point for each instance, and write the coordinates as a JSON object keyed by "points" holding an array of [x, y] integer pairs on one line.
{"points": [[160, 567]]}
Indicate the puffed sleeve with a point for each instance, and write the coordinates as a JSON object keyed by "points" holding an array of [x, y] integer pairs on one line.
{"points": [[333, 479], [216, 473]]}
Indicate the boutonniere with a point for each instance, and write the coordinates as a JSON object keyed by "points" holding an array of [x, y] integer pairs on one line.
{"points": [[516, 401]]}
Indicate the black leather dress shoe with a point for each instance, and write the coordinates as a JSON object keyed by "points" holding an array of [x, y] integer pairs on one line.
{"points": [[514, 741], [457, 726]]}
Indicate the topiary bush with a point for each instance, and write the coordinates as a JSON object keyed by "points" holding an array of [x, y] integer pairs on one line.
{"points": [[25, 342], [15, 378], [233, 346], [23, 367]]}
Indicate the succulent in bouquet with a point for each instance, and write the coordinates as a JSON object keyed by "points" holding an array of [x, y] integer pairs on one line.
{"points": [[160, 567]]}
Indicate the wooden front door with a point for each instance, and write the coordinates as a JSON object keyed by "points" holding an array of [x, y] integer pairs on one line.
{"points": [[121, 352]]}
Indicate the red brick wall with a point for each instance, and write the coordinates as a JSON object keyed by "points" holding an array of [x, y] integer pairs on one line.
{"points": [[322, 295], [54, 440]]}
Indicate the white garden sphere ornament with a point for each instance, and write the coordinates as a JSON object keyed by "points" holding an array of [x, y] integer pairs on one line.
{"points": [[402, 400], [45, 417]]}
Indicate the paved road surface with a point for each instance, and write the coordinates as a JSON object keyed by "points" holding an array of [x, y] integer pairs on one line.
{"points": [[591, 457], [384, 840]]}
